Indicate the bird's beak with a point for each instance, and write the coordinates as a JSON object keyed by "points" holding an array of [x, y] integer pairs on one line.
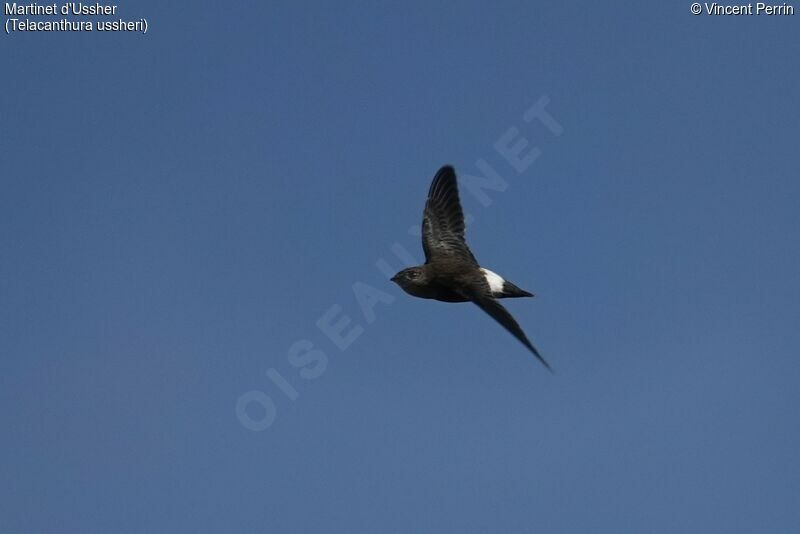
{"points": [[394, 278]]}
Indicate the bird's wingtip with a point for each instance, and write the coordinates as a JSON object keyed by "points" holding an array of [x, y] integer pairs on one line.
{"points": [[543, 361]]}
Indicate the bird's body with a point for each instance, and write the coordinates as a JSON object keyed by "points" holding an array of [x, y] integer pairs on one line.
{"points": [[451, 273]]}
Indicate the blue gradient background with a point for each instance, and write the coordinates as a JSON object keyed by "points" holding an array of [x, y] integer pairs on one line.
{"points": [[178, 208]]}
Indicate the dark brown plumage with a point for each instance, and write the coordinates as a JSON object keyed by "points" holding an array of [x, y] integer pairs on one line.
{"points": [[451, 273]]}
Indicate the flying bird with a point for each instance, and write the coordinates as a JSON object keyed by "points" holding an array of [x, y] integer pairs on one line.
{"points": [[451, 273]]}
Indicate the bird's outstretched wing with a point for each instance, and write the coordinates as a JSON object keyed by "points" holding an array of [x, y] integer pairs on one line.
{"points": [[502, 316], [443, 220]]}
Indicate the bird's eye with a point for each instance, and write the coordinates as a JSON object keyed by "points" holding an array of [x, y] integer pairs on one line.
{"points": [[413, 274]]}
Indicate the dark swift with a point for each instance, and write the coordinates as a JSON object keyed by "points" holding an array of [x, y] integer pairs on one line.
{"points": [[451, 273]]}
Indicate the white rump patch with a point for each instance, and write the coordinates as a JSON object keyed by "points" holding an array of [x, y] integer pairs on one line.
{"points": [[495, 281]]}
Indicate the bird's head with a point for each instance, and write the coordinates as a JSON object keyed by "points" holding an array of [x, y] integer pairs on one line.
{"points": [[410, 278]]}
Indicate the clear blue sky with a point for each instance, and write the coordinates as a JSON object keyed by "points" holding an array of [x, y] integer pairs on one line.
{"points": [[178, 209]]}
